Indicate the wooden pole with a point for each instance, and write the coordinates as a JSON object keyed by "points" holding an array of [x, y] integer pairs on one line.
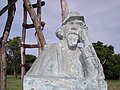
{"points": [[64, 8], [3, 62], [7, 7], [0, 62], [23, 42], [39, 20], [36, 23], [30, 45]]}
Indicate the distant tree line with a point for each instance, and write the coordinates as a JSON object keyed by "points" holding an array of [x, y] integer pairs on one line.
{"points": [[109, 60]]}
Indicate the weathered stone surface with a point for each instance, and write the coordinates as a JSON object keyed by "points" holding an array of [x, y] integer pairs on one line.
{"points": [[64, 65], [59, 83]]}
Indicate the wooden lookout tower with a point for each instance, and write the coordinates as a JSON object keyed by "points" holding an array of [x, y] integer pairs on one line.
{"points": [[28, 9], [37, 24]]}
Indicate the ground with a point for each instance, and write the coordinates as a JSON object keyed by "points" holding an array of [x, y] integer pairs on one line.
{"points": [[14, 83]]}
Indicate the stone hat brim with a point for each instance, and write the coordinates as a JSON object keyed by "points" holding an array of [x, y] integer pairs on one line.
{"points": [[73, 18]]}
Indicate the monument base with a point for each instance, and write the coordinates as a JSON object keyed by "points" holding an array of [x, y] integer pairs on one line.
{"points": [[61, 83]]}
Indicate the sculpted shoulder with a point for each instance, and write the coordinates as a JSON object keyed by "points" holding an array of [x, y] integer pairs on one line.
{"points": [[50, 47]]}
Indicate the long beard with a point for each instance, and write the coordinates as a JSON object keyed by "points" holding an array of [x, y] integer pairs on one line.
{"points": [[72, 40]]}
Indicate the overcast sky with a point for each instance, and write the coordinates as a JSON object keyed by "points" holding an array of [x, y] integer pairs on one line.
{"points": [[101, 16]]}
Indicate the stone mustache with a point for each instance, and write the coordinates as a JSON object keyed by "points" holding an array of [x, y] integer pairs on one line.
{"points": [[65, 65]]}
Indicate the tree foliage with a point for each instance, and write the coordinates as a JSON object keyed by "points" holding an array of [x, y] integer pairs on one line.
{"points": [[109, 60], [30, 58], [14, 56], [29, 61]]}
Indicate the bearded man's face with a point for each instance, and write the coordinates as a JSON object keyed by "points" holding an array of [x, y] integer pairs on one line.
{"points": [[72, 31]]}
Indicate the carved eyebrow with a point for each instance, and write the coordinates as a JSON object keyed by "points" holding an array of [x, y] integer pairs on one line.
{"points": [[80, 23]]}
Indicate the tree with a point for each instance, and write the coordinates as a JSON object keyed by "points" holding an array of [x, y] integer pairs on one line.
{"points": [[13, 54], [117, 66], [109, 60], [29, 61], [14, 57], [30, 58]]}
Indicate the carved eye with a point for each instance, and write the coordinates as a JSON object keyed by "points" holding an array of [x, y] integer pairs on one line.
{"points": [[80, 23]]}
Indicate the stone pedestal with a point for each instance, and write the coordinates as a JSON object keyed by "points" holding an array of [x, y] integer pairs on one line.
{"points": [[59, 83]]}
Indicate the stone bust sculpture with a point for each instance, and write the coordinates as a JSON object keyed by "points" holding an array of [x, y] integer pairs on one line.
{"points": [[78, 67]]}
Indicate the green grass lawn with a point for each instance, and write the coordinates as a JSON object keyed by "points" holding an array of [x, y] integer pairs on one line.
{"points": [[16, 84], [113, 84]]}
